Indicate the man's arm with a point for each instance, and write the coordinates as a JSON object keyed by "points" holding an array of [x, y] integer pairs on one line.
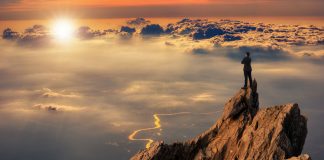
{"points": [[243, 61]]}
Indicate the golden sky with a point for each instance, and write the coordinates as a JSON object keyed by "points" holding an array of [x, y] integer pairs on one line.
{"points": [[28, 9]]}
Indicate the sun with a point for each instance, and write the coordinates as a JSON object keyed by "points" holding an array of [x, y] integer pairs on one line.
{"points": [[63, 29]]}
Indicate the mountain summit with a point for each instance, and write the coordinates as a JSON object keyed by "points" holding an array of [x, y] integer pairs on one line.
{"points": [[243, 132]]}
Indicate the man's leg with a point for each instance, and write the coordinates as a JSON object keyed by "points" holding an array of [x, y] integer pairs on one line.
{"points": [[245, 78], [250, 78]]}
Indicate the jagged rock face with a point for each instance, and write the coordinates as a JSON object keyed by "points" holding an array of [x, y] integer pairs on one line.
{"points": [[243, 132]]}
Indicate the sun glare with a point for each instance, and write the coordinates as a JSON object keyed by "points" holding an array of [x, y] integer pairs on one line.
{"points": [[63, 29]]}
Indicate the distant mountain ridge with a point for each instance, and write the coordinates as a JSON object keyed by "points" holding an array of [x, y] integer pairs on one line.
{"points": [[243, 132]]}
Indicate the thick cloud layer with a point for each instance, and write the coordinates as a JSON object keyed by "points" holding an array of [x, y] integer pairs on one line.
{"points": [[152, 29], [82, 99], [86, 32], [138, 21], [224, 32], [9, 34], [35, 36], [127, 29], [249, 33]]}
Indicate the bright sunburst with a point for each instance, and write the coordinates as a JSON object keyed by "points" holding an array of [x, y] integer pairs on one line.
{"points": [[63, 29]]}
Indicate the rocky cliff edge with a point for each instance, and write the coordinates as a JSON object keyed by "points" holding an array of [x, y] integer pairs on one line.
{"points": [[243, 132]]}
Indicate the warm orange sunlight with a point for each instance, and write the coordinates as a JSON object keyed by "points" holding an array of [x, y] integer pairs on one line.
{"points": [[63, 29]]}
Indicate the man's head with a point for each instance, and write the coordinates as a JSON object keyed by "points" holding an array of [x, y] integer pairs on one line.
{"points": [[247, 54]]}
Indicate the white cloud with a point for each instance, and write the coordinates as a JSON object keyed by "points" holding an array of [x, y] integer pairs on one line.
{"points": [[203, 97], [48, 93]]}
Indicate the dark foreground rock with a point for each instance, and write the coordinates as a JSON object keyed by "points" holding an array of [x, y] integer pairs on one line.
{"points": [[243, 132]]}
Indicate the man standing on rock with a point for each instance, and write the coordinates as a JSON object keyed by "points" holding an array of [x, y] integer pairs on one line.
{"points": [[247, 69]]}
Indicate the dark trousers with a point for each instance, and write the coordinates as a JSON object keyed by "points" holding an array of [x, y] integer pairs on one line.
{"points": [[247, 74]]}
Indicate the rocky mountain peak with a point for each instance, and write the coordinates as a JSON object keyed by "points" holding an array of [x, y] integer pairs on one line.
{"points": [[243, 132]]}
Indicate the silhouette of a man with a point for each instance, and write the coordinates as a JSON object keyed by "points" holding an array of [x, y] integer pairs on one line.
{"points": [[247, 69]]}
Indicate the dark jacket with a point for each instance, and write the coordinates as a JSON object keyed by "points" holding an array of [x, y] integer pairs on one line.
{"points": [[247, 64]]}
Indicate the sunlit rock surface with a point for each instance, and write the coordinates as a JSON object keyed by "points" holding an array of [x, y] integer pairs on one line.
{"points": [[242, 132], [301, 157]]}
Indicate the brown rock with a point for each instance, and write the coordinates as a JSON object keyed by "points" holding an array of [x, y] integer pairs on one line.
{"points": [[243, 132], [301, 157]]}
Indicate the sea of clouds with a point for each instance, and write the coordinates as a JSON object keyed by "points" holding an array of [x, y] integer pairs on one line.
{"points": [[81, 99]]}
